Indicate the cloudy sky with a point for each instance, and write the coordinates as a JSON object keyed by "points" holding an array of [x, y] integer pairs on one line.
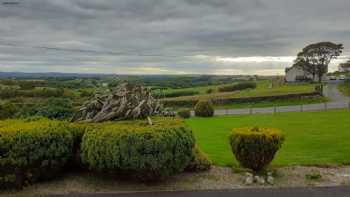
{"points": [[166, 36]]}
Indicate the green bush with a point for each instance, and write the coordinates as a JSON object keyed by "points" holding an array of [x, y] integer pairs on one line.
{"points": [[238, 87], [31, 151], [7, 111], [175, 93], [199, 162], [53, 108], [204, 108], [255, 148], [184, 113], [136, 149]]}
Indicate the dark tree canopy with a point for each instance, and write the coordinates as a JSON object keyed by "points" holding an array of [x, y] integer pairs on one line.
{"points": [[315, 58]]}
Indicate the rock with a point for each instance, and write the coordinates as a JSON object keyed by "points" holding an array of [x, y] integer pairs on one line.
{"points": [[249, 180], [259, 180], [126, 101], [270, 180]]}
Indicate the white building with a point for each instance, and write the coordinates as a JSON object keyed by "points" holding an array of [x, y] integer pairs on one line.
{"points": [[345, 67], [296, 74]]}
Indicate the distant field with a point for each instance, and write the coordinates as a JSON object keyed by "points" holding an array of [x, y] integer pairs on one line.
{"points": [[312, 138], [262, 89]]}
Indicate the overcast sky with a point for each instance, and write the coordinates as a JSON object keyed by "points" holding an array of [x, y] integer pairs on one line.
{"points": [[166, 36]]}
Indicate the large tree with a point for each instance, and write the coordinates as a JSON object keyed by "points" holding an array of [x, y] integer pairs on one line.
{"points": [[315, 58]]}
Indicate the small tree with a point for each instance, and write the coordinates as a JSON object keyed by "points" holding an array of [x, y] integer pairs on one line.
{"points": [[315, 58]]}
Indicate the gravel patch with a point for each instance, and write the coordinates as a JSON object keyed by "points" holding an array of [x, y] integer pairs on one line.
{"points": [[216, 178]]}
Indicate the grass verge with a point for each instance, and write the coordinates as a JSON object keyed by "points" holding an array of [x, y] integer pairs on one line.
{"points": [[312, 138]]}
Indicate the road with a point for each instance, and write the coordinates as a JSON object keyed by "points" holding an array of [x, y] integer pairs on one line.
{"points": [[336, 101], [286, 192]]}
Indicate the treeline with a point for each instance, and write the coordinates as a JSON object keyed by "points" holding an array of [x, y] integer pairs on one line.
{"points": [[7, 93]]}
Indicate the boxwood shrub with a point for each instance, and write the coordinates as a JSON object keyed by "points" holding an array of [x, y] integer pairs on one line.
{"points": [[32, 150], [204, 108], [184, 113], [255, 148], [199, 162], [139, 150]]}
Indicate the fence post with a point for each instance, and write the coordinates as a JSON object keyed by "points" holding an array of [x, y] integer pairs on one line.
{"points": [[251, 110], [275, 109], [301, 108], [325, 106]]}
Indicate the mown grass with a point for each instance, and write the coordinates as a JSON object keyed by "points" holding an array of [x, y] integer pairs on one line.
{"points": [[278, 102], [262, 89], [312, 138]]}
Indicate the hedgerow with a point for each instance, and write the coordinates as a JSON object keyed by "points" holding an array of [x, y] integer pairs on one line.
{"points": [[237, 87], [31, 151], [139, 150]]}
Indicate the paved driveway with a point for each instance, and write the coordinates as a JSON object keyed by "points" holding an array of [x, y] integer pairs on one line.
{"points": [[286, 192]]}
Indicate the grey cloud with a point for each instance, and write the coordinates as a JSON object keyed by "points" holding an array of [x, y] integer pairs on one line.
{"points": [[126, 35]]}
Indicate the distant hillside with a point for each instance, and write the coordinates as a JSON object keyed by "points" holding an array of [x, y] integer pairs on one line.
{"points": [[21, 75]]}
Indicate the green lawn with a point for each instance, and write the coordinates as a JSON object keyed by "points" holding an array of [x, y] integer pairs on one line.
{"points": [[262, 89], [279, 102], [312, 138]]}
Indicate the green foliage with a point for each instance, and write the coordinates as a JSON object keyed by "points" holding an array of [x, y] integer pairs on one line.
{"points": [[209, 91], [139, 150], [7, 111], [199, 162], [54, 108], [204, 108], [255, 148], [238, 87], [184, 113], [160, 94], [314, 175], [32, 150]]}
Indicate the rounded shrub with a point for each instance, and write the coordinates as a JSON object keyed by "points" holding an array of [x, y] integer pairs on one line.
{"points": [[255, 148], [199, 162], [184, 113], [32, 150], [139, 150], [204, 108]]}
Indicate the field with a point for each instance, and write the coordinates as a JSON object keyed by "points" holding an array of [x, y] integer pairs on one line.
{"points": [[312, 138], [261, 90]]}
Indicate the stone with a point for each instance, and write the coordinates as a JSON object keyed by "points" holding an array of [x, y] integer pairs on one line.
{"points": [[259, 180], [249, 180], [270, 180]]}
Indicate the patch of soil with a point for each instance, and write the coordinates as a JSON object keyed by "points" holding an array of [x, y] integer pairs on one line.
{"points": [[216, 178]]}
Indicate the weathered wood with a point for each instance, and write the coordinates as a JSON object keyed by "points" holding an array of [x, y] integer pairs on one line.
{"points": [[126, 101]]}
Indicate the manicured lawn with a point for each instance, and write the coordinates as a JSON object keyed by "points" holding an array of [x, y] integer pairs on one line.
{"points": [[262, 89], [279, 102], [312, 138]]}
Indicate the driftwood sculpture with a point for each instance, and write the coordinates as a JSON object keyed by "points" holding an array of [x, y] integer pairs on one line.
{"points": [[126, 101]]}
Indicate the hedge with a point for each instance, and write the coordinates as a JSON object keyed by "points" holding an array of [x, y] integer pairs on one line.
{"points": [[238, 87], [184, 113], [31, 151], [175, 93], [221, 101], [255, 148], [136, 149], [204, 108]]}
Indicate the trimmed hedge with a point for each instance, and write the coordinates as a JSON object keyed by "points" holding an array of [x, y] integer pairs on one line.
{"points": [[238, 87], [175, 93], [204, 108], [184, 113], [255, 148], [31, 151], [139, 150], [199, 162]]}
